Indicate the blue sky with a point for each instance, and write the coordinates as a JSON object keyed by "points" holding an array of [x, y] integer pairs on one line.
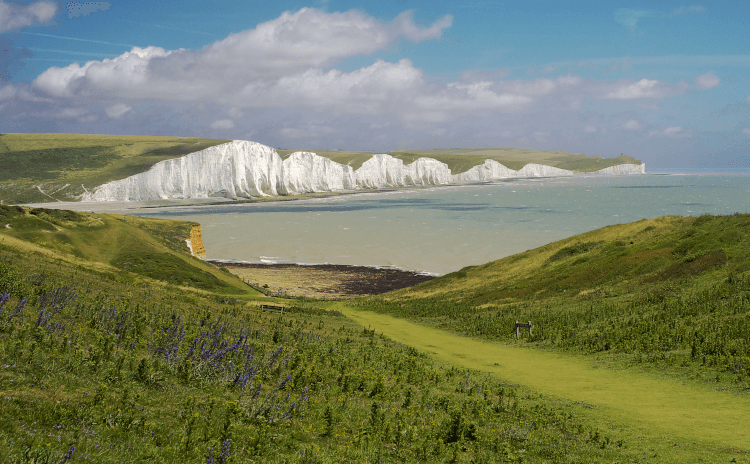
{"points": [[667, 84]]}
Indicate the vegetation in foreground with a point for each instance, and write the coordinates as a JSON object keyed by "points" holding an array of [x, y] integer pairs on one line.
{"points": [[101, 364], [671, 295]]}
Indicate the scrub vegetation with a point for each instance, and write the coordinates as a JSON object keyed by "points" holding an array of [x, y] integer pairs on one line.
{"points": [[103, 361], [669, 295]]}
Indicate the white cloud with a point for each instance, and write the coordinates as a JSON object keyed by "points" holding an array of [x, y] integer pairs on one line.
{"points": [[629, 17], [672, 132], [14, 16], [234, 112], [76, 9], [746, 131], [261, 58], [222, 124], [747, 99], [589, 129], [687, 9], [707, 81], [7, 92], [117, 110], [644, 88], [632, 125]]}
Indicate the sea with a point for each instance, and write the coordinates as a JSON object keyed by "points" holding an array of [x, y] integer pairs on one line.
{"points": [[443, 229]]}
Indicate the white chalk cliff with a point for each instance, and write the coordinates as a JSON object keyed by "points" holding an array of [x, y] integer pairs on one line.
{"points": [[242, 169]]}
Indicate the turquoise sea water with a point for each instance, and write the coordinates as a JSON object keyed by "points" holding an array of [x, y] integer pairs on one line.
{"points": [[440, 230]]}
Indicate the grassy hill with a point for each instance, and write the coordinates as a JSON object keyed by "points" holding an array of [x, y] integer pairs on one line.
{"points": [[103, 360], [38, 168], [152, 248], [671, 293]]}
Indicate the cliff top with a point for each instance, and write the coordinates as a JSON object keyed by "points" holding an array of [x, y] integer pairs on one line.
{"points": [[40, 168]]}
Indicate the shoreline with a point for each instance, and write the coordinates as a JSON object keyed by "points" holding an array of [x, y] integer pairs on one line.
{"points": [[322, 281], [163, 204]]}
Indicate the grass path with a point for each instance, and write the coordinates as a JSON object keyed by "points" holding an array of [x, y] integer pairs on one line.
{"points": [[648, 407]]}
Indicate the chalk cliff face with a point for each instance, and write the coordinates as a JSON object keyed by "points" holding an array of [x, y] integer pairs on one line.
{"points": [[623, 169], [242, 169]]}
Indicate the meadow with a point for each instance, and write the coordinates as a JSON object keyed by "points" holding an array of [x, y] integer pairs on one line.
{"points": [[103, 362]]}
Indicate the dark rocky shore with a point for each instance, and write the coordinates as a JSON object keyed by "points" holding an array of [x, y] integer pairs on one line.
{"points": [[324, 280]]}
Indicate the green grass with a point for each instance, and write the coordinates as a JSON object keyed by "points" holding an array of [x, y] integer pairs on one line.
{"points": [[706, 421], [113, 366], [668, 295], [153, 248], [49, 167], [98, 360]]}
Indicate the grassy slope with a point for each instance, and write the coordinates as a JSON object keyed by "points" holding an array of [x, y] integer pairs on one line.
{"points": [[645, 406], [670, 294], [99, 364], [153, 248], [61, 163]]}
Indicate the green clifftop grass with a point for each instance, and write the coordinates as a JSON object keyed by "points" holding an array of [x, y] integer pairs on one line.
{"points": [[61, 165]]}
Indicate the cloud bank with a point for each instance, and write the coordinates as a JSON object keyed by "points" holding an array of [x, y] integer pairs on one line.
{"points": [[14, 16], [279, 84]]}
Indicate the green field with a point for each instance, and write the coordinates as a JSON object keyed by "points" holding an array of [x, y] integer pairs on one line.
{"points": [[39, 168], [42, 168]]}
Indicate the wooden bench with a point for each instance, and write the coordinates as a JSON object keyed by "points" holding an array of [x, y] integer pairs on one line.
{"points": [[522, 325], [272, 308]]}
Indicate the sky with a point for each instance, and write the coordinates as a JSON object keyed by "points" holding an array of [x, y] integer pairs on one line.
{"points": [[665, 82]]}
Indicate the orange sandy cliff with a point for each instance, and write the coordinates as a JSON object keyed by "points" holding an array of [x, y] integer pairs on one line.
{"points": [[196, 241]]}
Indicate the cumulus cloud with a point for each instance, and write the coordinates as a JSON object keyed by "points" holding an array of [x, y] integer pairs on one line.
{"points": [[707, 81], [76, 9], [14, 16], [291, 45], [117, 110], [287, 57], [222, 124], [644, 88]]}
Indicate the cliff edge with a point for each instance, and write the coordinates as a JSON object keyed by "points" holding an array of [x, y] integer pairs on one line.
{"points": [[243, 169]]}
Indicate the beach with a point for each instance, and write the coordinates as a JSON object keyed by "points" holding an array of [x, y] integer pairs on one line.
{"points": [[322, 281]]}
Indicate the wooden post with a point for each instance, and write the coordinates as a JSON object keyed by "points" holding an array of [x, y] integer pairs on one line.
{"points": [[520, 325]]}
